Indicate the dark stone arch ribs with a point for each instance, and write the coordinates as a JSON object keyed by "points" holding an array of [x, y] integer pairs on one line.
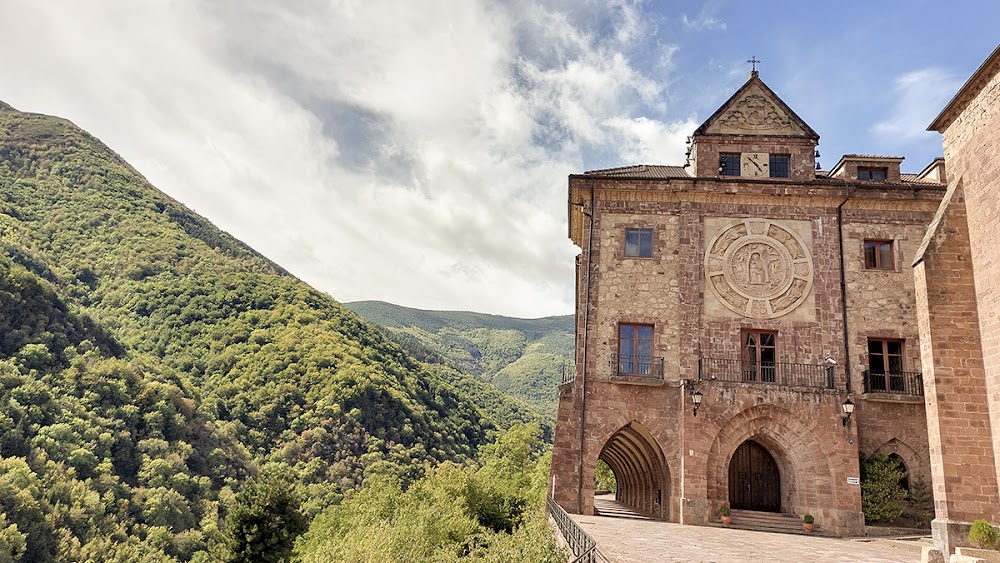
{"points": [[640, 469]]}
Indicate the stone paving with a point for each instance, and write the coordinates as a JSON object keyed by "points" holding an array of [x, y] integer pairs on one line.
{"points": [[633, 539]]}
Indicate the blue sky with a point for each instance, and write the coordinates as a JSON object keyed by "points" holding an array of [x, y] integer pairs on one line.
{"points": [[417, 152]]}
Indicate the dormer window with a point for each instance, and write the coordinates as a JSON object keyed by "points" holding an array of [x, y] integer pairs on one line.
{"points": [[729, 164], [780, 165], [872, 173]]}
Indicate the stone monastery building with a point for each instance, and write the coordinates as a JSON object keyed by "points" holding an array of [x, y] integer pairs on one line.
{"points": [[747, 325]]}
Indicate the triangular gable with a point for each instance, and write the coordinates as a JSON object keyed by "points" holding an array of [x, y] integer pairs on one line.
{"points": [[755, 110]]}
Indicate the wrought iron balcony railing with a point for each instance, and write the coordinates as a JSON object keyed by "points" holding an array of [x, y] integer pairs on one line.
{"points": [[901, 383], [636, 369], [773, 373], [568, 374]]}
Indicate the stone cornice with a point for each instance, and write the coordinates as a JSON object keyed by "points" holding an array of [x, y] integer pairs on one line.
{"points": [[967, 92], [822, 194]]}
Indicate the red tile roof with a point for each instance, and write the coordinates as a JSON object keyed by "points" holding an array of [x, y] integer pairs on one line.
{"points": [[652, 171]]}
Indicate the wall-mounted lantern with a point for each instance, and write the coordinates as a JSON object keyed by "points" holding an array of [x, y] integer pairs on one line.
{"points": [[848, 407], [696, 398]]}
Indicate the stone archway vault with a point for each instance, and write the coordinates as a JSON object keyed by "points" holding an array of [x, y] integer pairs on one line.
{"points": [[640, 469]]}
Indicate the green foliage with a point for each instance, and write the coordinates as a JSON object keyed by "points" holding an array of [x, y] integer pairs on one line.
{"points": [[918, 507], [12, 542], [808, 519], [982, 534], [493, 512], [524, 358], [150, 363], [264, 522], [881, 494], [604, 478], [724, 510]]}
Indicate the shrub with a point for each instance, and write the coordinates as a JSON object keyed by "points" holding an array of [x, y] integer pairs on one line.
{"points": [[264, 522], [808, 519], [881, 495], [724, 511], [982, 535]]}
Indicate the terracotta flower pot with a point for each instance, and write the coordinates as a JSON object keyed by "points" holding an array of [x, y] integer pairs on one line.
{"points": [[807, 528], [727, 520]]}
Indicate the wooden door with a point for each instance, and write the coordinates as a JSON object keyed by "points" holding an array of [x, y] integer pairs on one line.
{"points": [[754, 481]]}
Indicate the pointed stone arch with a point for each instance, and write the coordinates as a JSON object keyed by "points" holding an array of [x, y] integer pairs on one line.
{"points": [[640, 468], [806, 475], [913, 463]]}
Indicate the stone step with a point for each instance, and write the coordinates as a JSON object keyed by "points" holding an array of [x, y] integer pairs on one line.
{"points": [[911, 545], [767, 522]]}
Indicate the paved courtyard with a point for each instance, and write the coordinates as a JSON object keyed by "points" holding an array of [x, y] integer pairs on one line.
{"points": [[627, 539]]}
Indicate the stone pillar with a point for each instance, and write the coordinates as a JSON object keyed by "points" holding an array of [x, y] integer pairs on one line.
{"points": [[958, 419]]}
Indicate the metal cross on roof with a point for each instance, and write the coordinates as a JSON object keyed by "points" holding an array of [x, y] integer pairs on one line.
{"points": [[753, 61]]}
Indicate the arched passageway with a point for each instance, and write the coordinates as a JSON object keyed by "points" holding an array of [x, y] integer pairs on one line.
{"points": [[754, 479], [641, 474]]}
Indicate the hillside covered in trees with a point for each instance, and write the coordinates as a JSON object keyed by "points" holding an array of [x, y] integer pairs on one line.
{"points": [[152, 365], [524, 358]]}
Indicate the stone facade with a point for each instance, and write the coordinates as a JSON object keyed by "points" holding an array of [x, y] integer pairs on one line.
{"points": [[741, 303], [959, 313]]}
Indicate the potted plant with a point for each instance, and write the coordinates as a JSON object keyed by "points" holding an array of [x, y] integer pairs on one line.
{"points": [[982, 535], [724, 515], [807, 523]]}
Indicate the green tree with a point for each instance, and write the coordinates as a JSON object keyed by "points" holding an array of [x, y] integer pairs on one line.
{"points": [[264, 522], [881, 494], [604, 478], [12, 542]]}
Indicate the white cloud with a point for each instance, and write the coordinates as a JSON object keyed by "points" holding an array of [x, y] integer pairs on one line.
{"points": [[919, 95], [415, 153], [706, 18]]}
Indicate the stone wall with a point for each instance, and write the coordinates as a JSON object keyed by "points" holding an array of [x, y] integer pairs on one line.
{"points": [[972, 151], [800, 426], [958, 418], [882, 304]]}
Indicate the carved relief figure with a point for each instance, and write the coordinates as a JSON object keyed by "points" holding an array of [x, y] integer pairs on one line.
{"points": [[756, 272], [765, 272]]}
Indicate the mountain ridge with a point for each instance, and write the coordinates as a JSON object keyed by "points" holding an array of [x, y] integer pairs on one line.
{"points": [[524, 358], [156, 362]]}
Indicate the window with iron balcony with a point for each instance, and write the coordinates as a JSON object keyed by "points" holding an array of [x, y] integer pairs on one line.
{"points": [[634, 360]]}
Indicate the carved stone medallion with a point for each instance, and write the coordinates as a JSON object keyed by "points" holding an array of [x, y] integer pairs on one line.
{"points": [[758, 268]]}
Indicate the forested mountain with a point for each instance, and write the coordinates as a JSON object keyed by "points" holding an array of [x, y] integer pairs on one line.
{"points": [[524, 358], [150, 364]]}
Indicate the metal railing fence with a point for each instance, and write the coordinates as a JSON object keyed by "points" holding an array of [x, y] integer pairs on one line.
{"points": [[776, 373], [581, 545]]}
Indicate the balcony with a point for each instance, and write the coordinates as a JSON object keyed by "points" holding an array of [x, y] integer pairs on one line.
{"points": [[626, 368], [901, 383], [766, 373]]}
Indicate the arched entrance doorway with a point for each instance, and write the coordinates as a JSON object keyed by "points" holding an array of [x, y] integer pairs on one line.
{"points": [[754, 479], [640, 469]]}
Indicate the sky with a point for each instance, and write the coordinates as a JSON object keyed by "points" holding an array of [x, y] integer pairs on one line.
{"points": [[417, 152]]}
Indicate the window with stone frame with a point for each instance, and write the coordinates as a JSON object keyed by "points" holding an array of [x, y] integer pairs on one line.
{"points": [[760, 355], [879, 255], [635, 349], [885, 364], [639, 243], [780, 165], [729, 164], [876, 174]]}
